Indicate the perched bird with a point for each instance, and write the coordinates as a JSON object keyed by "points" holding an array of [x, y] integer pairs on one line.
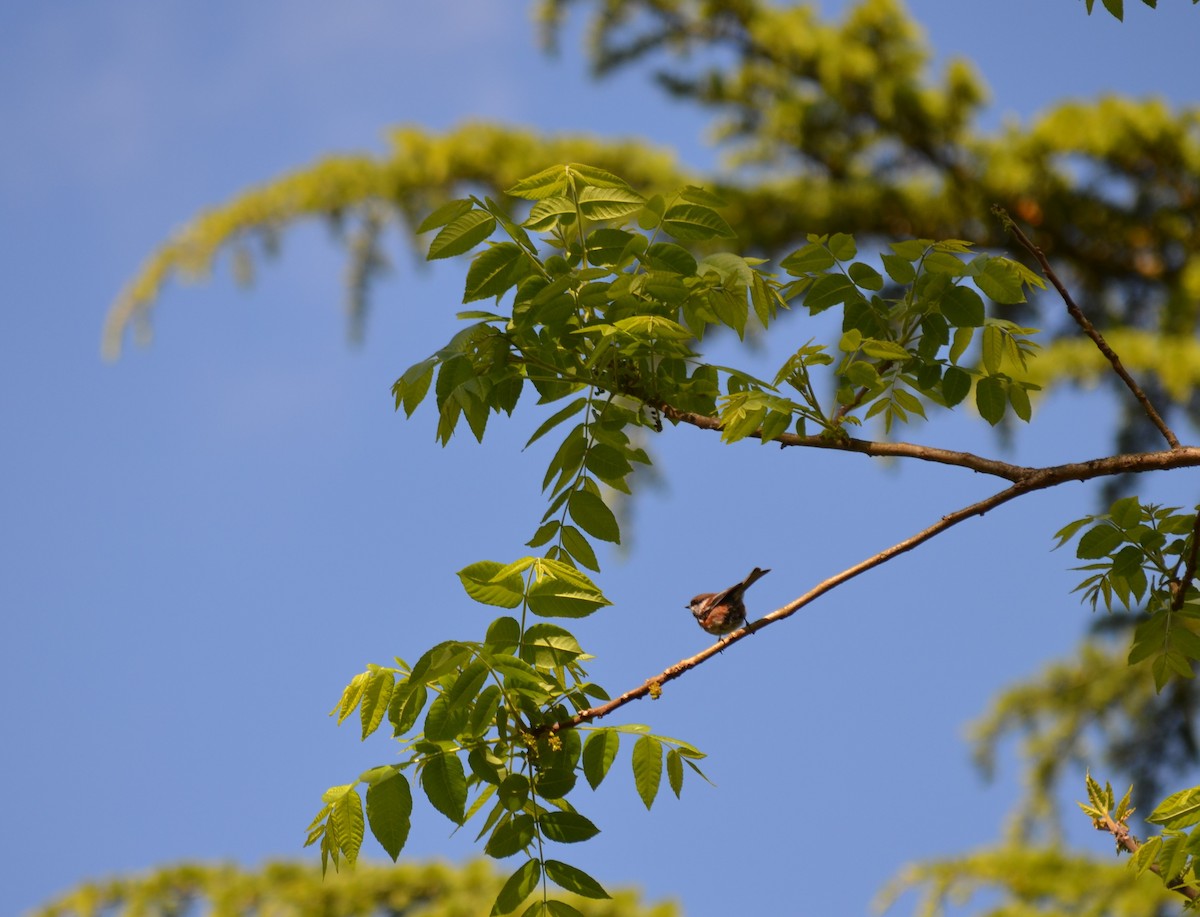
{"points": [[722, 612]]}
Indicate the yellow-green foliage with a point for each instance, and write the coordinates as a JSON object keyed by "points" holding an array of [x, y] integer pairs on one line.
{"points": [[847, 132], [291, 889], [1031, 882]]}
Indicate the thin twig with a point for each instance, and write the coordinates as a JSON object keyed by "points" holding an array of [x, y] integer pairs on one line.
{"points": [[1088, 328]]}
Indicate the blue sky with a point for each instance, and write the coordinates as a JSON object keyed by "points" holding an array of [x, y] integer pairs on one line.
{"points": [[203, 542]]}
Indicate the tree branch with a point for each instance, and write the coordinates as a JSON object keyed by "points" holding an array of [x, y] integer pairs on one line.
{"points": [[1088, 328], [867, 447], [1027, 481], [1129, 843]]}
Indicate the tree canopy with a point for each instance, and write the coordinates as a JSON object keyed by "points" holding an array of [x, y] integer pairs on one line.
{"points": [[856, 182]]}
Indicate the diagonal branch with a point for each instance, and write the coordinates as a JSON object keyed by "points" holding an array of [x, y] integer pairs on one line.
{"points": [[1088, 328], [1027, 481]]}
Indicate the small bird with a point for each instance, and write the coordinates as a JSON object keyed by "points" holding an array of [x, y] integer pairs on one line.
{"points": [[723, 612]]}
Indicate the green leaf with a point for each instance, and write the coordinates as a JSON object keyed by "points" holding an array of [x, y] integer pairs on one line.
{"points": [[842, 246], [546, 214], [667, 256], [647, 768], [1067, 532], [351, 695], [574, 880], [410, 389], [462, 234], [389, 810], [990, 400], [559, 909], [550, 646], [675, 771], [595, 176], [579, 547], [514, 792], [598, 754], [445, 719], [544, 184], [956, 385], [445, 784], [730, 308], [1098, 541], [993, 348], [865, 276], [811, 259], [347, 819], [608, 246], [962, 340], [405, 708], [609, 203], [1126, 512], [1019, 399], [944, 263], [544, 534], [998, 279], [491, 271], [695, 223], [593, 516], [697, 195], [466, 687], [652, 328], [1144, 858], [830, 290], [478, 579], [375, 699], [512, 835], [518, 886], [447, 213], [567, 827], [899, 269], [554, 598], [483, 714], [607, 463], [963, 307], [884, 350], [559, 416]]}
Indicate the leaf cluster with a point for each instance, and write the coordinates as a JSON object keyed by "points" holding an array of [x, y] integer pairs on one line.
{"points": [[480, 730], [1141, 553]]}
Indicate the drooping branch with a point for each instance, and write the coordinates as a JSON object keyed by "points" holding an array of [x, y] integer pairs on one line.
{"points": [[1089, 329]]}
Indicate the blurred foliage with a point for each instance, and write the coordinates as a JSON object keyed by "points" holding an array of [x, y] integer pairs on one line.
{"points": [[1018, 880], [829, 127], [293, 889], [840, 128], [1091, 709]]}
